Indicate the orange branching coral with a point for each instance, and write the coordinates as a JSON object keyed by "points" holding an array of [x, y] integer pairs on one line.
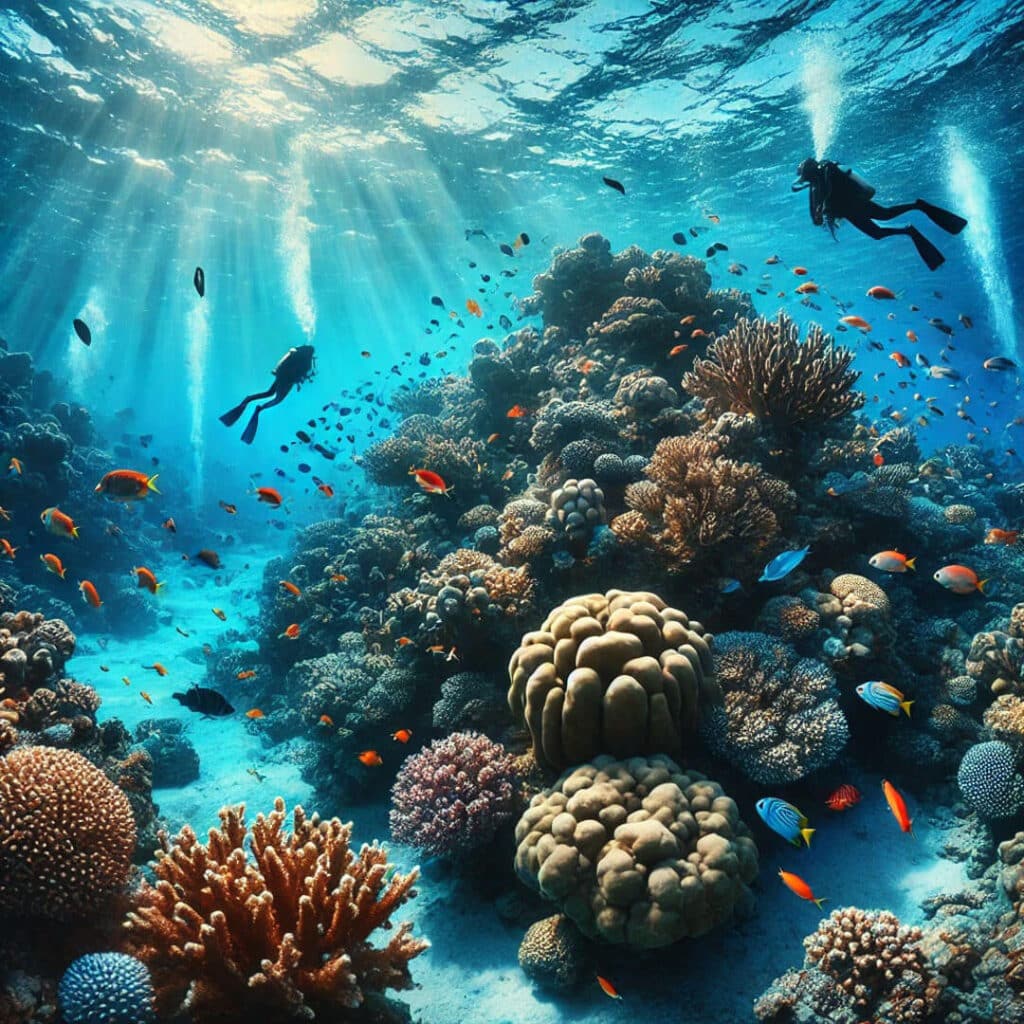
{"points": [[279, 936], [761, 367], [703, 505], [67, 834]]}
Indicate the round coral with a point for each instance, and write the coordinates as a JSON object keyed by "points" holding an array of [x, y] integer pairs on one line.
{"points": [[637, 852], [67, 834], [617, 673], [454, 795], [552, 953], [989, 780], [106, 988]]}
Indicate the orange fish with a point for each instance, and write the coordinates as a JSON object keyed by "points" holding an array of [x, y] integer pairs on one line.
{"points": [[159, 669], [856, 321], [898, 806], [169, 524], [269, 495], [843, 798], [997, 536], [126, 681], [799, 887], [714, 218], [878, 459], [5, 515], [436, 649], [517, 412], [507, 475], [699, 332], [126, 485], [687, 320], [8, 550], [326, 490], [586, 366], [676, 349], [371, 759], [912, 336], [57, 523], [230, 509], [959, 579], [290, 587], [608, 988], [403, 641], [246, 674], [145, 696], [899, 359], [339, 577], [800, 271], [807, 288], [254, 713], [326, 720], [89, 594], [292, 632], [472, 306], [402, 736], [491, 438], [220, 613], [430, 481], [147, 581], [881, 292]]}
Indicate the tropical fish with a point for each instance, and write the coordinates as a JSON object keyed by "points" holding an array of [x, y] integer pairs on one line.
{"points": [[52, 562], [517, 412], [15, 467], [899, 359], [292, 632], [220, 613], [147, 581], [90, 595], [843, 798], [228, 507], [339, 577], [782, 565], [892, 561], [209, 558], [199, 281], [608, 988], [326, 720], [57, 523], [676, 349], [807, 288], [127, 485], [898, 806], [912, 336], [884, 697], [246, 674], [959, 579], [795, 884], [82, 330], [881, 292], [269, 496], [254, 713], [145, 696], [290, 587], [800, 271], [878, 459], [402, 736], [430, 481], [856, 321], [257, 775], [784, 820], [7, 548], [204, 701], [472, 306], [997, 536], [5, 515], [520, 240], [727, 585], [326, 490], [998, 363], [371, 759], [617, 185], [159, 669], [943, 373], [170, 525], [965, 320]]}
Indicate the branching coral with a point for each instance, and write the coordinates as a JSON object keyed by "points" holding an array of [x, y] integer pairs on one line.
{"points": [[761, 367], [637, 852], [66, 834], [280, 935], [617, 673]]}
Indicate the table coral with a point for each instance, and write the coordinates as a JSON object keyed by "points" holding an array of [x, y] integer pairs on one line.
{"points": [[637, 852], [618, 673], [281, 934]]}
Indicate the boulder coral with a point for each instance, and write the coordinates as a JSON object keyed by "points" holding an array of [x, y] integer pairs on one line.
{"points": [[780, 720], [990, 781], [263, 924], [617, 673], [552, 953], [639, 852]]}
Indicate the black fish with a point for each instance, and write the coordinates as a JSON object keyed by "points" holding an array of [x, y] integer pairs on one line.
{"points": [[204, 701], [424, 359], [694, 232], [344, 411], [303, 436], [711, 251], [485, 278], [679, 238], [82, 330], [523, 238], [284, 449], [199, 280], [436, 300], [617, 185], [145, 440], [505, 323], [506, 249], [304, 467], [721, 247]]}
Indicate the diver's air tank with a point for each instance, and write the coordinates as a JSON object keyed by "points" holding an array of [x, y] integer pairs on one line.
{"points": [[867, 190]]}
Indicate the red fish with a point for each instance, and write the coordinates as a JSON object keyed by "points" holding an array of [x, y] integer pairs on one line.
{"points": [[473, 307], [997, 536], [608, 988], [147, 581], [7, 548], [517, 412], [57, 523], [856, 321], [800, 271], [898, 806], [878, 459], [254, 713], [676, 349], [52, 562], [881, 292], [371, 759], [326, 490], [90, 594], [430, 481], [807, 288], [127, 485], [402, 736], [795, 884], [290, 587], [899, 359], [843, 798], [270, 496], [292, 632]]}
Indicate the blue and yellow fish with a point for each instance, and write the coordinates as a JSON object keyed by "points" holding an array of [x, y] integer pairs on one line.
{"points": [[884, 697], [782, 565], [785, 820]]}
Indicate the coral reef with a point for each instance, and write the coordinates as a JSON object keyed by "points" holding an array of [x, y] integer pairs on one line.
{"points": [[277, 937], [990, 781], [619, 673], [552, 953], [107, 988]]}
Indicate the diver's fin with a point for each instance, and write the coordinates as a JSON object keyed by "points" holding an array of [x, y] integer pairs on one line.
{"points": [[231, 417], [932, 257], [948, 221], [249, 434]]}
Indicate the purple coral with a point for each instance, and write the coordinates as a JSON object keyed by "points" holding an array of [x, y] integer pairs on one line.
{"points": [[453, 795]]}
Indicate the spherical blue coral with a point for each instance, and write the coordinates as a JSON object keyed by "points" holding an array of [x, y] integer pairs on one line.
{"points": [[106, 988], [487, 540], [989, 780]]}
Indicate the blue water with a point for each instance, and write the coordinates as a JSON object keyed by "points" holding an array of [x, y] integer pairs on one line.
{"points": [[332, 166]]}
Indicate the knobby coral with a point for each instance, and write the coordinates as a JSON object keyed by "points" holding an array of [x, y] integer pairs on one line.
{"points": [[617, 673], [279, 936], [761, 367]]}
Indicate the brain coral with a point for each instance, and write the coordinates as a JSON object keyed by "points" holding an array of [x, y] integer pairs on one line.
{"points": [[781, 719], [66, 834], [552, 953], [106, 988], [989, 780], [637, 852], [617, 673]]}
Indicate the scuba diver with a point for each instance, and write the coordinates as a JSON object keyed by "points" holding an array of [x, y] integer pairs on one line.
{"points": [[837, 195], [296, 367]]}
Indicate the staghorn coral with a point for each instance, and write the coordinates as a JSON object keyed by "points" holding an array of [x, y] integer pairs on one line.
{"points": [[781, 719], [281, 936], [637, 852], [552, 953], [619, 673], [453, 796], [989, 780], [106, 988], [66, 835], [762, 368]]}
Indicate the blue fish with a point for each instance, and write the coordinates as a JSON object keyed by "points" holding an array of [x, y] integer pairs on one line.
{"points": [[784, 820], [884, 697], [728, 586], [782, 565]]}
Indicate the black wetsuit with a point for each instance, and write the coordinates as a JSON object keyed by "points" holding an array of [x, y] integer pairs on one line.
{"points": [[292, 371]]}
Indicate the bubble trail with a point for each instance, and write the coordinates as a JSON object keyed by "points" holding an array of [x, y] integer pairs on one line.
{"points": [[821, 77], [296, 230]]}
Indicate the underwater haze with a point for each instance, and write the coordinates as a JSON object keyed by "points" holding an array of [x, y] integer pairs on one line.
{"points": [[511, 512]]}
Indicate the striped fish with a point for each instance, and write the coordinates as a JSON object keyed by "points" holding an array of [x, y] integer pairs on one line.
{"points": [[884, 697], [784, 820]]}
